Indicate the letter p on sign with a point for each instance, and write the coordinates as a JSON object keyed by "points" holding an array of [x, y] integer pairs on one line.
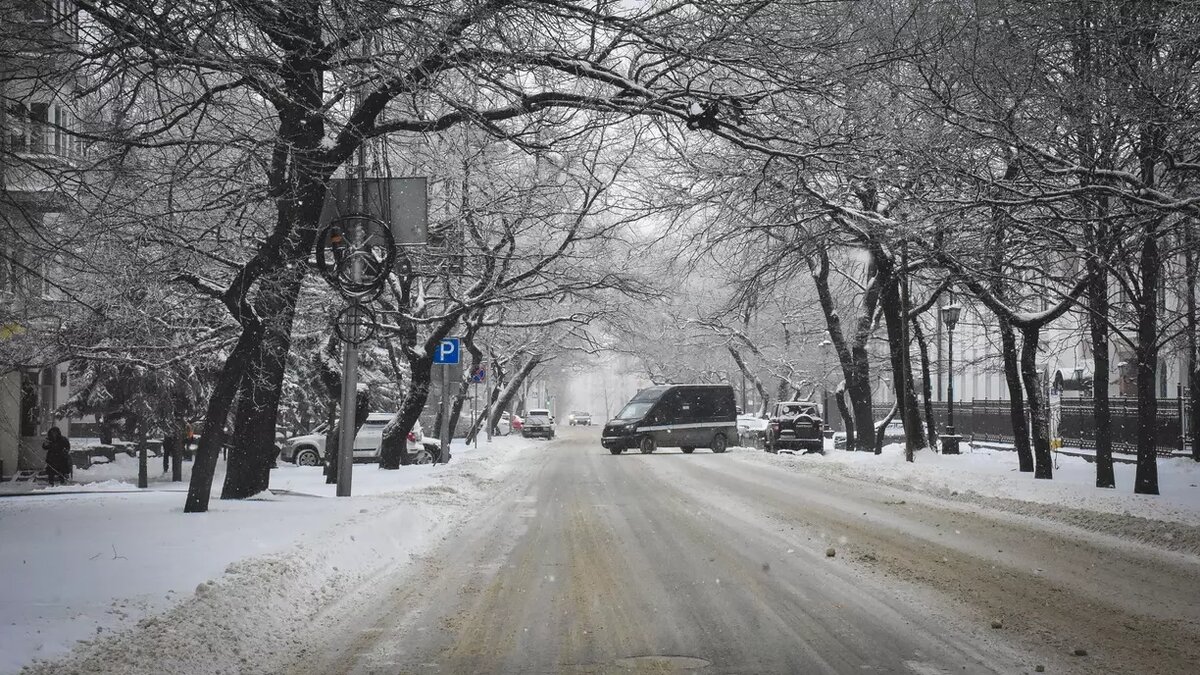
{"points": [[449, 352]]}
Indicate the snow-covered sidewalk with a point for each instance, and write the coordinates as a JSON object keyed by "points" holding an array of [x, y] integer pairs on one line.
{"points": [[993, 473], [100, 558]]}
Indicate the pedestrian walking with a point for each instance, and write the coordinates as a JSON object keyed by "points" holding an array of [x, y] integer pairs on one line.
{"points": [[58, 456]]}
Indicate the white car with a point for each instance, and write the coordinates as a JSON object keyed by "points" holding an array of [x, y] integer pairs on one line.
{"points": [[504, 426], [579, 418], [752, 430], [309, 449]]}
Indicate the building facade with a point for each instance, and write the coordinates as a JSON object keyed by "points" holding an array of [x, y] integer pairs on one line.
{"points": [[39, 151]]}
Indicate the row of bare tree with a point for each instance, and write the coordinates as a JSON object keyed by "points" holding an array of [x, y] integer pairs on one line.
{"points": [[845, 162]]}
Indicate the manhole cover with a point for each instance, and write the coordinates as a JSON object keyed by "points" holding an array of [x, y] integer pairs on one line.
{"points": [[658, 664]]}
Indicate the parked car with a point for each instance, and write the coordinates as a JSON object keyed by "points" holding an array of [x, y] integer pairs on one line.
{"points": [[517, 422], [752, 430], [579, 418], [309, 449], [893, 433], [795, 425], [687, 416], [538, 422], [504, 426]]}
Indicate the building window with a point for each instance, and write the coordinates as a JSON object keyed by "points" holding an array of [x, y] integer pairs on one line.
{"points": [[39, 118], [30, 407], [40, 10], [18, 119], [58, 130]]}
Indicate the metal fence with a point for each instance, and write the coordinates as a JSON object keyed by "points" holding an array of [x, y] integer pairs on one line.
{"points": [[990, 420]]}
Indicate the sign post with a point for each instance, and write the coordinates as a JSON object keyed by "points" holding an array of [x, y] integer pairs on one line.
{"points": [[449, 353]]}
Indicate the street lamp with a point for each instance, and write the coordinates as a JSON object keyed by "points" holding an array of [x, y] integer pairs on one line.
{"points": [[950, 439]]}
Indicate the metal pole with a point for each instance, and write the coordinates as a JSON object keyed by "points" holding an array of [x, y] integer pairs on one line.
{"points": [[345, 457], [444, 451], [950, 381], [905, 370], [1179, 402]]}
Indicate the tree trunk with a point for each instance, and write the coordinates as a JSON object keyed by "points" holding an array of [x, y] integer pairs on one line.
{"points": [[464, 385], [839, 395], [219, 403], [1016, 395], [329, 373], [181, 438], [858, 387], [852, 356], [248, 471], [1039, 420], [902, 382], [926, 382], [493, 393], [393, 449], [1146, 478], [142, 429], [1098, 329], [510, 390], [748, 374], [882, 430], [456, 404]]}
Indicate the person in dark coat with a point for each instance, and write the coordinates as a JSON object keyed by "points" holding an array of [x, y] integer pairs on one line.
{"points": [[58, 456]]}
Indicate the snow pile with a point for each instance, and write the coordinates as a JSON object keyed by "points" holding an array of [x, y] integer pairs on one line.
{"points": [[104, 476], [993, 472], [990, 477], [150, 590]]}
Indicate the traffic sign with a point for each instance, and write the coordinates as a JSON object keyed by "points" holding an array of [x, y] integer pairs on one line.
{"points": [[479, 375], [449, 352]]}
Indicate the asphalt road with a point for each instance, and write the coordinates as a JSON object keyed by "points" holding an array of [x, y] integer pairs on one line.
{"points": [[585, 562]]}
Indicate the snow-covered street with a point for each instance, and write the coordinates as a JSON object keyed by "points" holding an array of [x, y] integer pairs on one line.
{"points": [[744, 562], [128, 573]]}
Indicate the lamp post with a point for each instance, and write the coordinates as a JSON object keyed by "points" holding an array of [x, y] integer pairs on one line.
{"points": [[825, 344], [950, 439]]}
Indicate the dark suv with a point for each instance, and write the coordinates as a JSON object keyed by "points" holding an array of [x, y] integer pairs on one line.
{"points": [[796, 425]]}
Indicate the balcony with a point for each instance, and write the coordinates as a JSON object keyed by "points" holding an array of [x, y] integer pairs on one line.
{"points": [[41, 158]]}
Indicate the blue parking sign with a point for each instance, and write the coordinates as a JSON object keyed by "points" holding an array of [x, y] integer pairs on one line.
{"points": [[449, 352]]}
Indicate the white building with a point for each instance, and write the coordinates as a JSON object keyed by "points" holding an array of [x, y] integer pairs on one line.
{"points": [[36, 142]]}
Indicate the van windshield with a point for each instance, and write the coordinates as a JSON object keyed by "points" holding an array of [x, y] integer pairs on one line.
{"points": [[634, 410]]}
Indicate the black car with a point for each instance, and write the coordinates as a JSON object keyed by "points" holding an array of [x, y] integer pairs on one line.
{"points": [[686, 416], [795, 425], [538, 423]]}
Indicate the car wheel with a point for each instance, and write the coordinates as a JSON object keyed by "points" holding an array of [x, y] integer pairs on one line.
{"points": [[718, 443], [687, 451], [307, 457], [422, 456], [616, 451], [647, 445]]}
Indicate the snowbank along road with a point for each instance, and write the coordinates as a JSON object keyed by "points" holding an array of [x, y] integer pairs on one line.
{"points": [[585, 562]]}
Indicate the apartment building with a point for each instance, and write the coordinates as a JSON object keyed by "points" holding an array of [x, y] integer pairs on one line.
{"points": [[38, 153]]}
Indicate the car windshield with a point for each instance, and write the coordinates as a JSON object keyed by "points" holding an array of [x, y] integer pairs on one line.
{"points": [[538, 418], [635, 410], [800, 410]]}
